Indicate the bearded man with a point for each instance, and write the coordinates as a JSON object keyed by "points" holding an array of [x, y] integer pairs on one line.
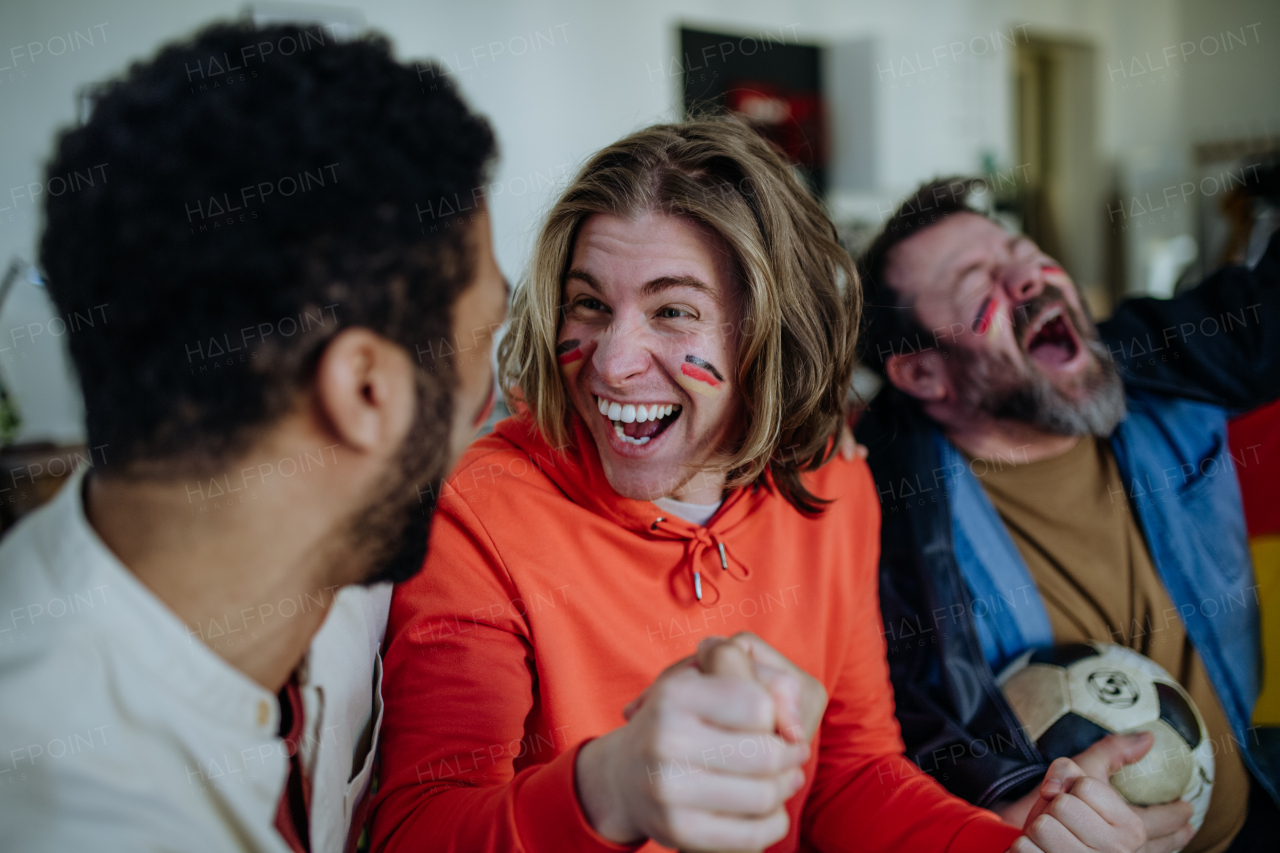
{"points": [[190, 653], [1044, 480]]}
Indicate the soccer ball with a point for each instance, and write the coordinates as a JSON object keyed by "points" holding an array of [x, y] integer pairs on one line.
{"points": [[1070, 696]]}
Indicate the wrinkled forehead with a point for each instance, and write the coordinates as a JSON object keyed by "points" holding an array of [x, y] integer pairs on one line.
{"points": [[653, 248], [928, 265]]}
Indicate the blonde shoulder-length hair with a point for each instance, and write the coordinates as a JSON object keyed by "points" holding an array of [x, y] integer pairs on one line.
{"points": [[800, 292]]}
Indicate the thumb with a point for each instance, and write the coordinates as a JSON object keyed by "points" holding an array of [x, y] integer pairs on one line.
{"points": [[1106, 757], [1062, 772], [634, 705], [718, 656]]}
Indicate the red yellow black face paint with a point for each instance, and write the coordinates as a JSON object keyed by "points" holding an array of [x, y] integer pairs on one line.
{"points": [[982, 324], [1053, 269], [701, 377], [569, 356]]}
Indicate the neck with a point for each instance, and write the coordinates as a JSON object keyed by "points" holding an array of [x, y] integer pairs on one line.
{"points": [[984, 437], [225, 567], [703, 488]]}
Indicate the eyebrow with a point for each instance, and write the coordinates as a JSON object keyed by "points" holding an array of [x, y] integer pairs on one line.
{"points": [[1010, 244], [586, 278], [667, 282], [657, 285]]}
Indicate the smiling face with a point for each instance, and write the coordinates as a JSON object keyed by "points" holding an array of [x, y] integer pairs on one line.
{"points": [[648, 350], [1023, 346]]}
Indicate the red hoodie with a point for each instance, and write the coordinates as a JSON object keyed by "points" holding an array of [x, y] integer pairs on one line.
{"points": [[548, 602]]}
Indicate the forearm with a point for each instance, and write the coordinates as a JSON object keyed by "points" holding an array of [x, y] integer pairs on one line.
{"points": [[536, 811], [880, 807], [1218, 342]]}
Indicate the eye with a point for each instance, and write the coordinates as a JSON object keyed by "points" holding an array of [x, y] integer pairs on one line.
{"points": [[670, 312], [589, 303], [977, 283]]}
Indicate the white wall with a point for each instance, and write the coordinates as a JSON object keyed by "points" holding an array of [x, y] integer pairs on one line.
{"points": [[603, 69]]}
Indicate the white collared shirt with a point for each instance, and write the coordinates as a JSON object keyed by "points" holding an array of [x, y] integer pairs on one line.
{"points": [[121, 729]]}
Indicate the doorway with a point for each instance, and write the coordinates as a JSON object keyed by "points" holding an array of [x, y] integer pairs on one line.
{"points": [[1062, 195]]}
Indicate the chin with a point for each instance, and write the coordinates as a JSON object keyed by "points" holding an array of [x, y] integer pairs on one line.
{"points": [[642, 481]]}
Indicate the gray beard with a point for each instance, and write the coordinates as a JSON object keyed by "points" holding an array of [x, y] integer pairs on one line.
{"points": [[1001, 388]]}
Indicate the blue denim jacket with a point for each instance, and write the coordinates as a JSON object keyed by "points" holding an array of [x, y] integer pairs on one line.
{"points": [[1180, 480]]}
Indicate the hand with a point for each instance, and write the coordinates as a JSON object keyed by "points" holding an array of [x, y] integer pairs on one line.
{"points": [[800, 699], [691, 723], [848, 445], [1167, 826], [1079, 810]]}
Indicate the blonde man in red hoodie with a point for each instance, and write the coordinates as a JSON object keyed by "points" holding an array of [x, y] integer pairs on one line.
{"points": [[679, 356]]}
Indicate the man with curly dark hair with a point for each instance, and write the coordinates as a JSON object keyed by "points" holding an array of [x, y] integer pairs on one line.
{"points": [[287, 239]]}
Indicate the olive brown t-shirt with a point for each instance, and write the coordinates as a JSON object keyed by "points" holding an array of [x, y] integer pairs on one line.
{"points": [[1071, 521]]}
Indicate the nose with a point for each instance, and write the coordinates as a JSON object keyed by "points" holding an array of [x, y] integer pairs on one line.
{"points": [[620, 355], [1023, 282]]}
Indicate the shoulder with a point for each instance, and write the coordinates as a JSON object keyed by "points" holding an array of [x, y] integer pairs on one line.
{"points": [[65, 731], [496, 470], [56, 635], [849, 487], [842, 542], [47, 617]]}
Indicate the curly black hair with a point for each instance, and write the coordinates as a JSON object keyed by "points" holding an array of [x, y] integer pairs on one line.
{"points": [[236, 201], [889, 324]]}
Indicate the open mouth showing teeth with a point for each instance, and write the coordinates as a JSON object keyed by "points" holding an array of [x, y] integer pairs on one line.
{"points": [[638, 423], [1052, 340]]}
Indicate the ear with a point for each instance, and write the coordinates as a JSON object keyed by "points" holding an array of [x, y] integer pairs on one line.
{"points": [[922, 374], [364, 390]]}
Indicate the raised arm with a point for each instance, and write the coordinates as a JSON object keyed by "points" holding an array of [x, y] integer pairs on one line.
{"points": [[1218, 343]]}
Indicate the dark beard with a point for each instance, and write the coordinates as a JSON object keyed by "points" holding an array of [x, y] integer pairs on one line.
{"points": [[1002, 388], [391, 532]]}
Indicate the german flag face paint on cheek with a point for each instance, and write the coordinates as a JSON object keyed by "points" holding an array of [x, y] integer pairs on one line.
{"points": [[984, 323], [701, 377], [1051, 269], [569, 356]]}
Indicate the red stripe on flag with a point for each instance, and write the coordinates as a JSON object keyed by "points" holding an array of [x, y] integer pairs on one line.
{"points": [[699, 374]]}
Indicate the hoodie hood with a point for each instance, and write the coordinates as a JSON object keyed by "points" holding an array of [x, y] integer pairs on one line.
{"points": [[709, 557]]}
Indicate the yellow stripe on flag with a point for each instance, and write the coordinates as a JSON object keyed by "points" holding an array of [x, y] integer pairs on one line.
{"points": [[1266, 567]]}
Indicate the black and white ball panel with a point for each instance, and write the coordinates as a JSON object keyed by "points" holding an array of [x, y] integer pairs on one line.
{"points": [[1177, 712], [1068, 697], [1063, 655], [1071, 734]]}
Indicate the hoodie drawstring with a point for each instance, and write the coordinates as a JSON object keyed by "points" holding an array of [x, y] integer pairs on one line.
{"points": [[696, 548]]}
